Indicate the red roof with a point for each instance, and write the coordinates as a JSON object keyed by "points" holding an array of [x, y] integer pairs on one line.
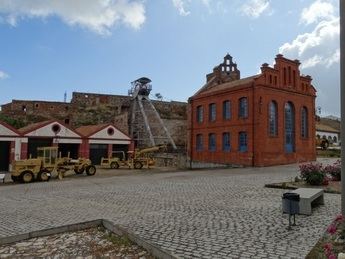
{"points": [[325, 128], [32, 127], [88, 130], [9, 127], [211, 88]]}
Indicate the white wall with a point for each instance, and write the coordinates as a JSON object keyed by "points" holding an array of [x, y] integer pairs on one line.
{"points": [[328, 134]]}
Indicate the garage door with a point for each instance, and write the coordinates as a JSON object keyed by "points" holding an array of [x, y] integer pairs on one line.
{"points": [[97, 151], [72, 149], [4, 155], [35, 143]]}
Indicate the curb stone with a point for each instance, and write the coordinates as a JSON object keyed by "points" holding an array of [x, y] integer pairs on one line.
{"points": [[153, 249]]}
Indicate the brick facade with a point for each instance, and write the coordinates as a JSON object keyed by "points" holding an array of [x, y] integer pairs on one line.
{"points": [[281, 84]]}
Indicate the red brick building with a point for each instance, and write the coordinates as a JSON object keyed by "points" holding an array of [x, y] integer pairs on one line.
{"points": [[262, 120]]}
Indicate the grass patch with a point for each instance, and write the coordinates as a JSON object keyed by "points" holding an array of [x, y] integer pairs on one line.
{"points": [[118, 240], [328, 153], [114, 238]]}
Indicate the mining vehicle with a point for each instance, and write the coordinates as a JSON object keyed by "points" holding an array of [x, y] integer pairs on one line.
{"points": [[137, 159], [322, 142], [46, 163]]}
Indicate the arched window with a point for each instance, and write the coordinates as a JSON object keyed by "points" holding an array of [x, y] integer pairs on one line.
{"points": [[335, 139], [242, 141], [289, 127], [273, 119], [226, 141], [212, 112], [199, 142], [243, 107], [199, 114], [304, 123], [226, 110], [212, 142]]}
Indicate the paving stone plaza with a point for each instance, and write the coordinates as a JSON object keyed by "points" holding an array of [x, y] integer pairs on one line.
{"points": [[225, 213]]}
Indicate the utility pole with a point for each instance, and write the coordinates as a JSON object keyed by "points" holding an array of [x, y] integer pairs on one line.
{"points": [[342, 101]]}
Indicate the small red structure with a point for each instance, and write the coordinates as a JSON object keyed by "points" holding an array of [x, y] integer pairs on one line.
{"points": [[262, 120], [9, 141], [101, 141]]}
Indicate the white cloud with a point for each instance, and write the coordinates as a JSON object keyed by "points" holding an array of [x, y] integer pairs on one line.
{"points": [[96, 15], [319, 53], [3, 75], [319, 47], [255, 8], [317, 11], [180, 6]]}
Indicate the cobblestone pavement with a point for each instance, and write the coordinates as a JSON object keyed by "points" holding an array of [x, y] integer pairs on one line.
{"points": [[194, 214], [89, 244]]}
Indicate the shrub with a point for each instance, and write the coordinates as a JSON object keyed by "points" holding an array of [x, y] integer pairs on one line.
{"points": [[312, 173], [333, 170]]}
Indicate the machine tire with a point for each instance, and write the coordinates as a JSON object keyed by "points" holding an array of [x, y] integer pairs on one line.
{"points": [[90, 170], [26, 177], [114, 165], [15, 179], [80, 171], [43, 176], [138, 165], [324, 144]]}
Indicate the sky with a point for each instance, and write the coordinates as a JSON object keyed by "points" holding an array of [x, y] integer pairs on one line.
{"points": [[49, 47]]}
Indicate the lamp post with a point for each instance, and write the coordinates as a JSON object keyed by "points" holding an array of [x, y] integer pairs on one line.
{"points": [[342, 101]]}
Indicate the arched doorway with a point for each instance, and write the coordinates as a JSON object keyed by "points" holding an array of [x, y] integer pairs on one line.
{"points": [[289, 128]]}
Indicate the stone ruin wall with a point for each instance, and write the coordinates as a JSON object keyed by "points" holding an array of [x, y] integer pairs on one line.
{"points": [[90, 108], [36, 111]]}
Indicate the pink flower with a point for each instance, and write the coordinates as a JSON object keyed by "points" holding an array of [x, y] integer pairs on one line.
{"points": [[332, 256], [328, 247], [332, 229], [339, 218]]}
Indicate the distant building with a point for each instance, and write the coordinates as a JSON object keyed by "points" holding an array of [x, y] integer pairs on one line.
{"points": [[91, 141], [262, 120], [324, 131]]}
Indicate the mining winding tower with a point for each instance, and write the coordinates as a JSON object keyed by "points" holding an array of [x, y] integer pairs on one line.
{"points": [[146, 127]]}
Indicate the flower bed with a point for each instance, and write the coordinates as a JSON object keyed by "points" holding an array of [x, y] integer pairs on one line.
{"points": [[332, 243], [316, 174]]}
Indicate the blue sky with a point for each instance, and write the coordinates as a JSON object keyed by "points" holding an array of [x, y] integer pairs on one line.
{"points": [[49, 47]]}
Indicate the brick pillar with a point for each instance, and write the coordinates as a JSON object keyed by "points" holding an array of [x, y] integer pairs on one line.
{"points": [[24, 151], [110, 150], [131, 146], [84, 149]]}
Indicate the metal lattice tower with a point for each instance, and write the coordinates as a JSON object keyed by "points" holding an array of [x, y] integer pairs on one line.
{"points": [[146, 127]]}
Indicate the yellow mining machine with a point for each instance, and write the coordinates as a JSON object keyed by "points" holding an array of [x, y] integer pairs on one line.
{"points": [[137, 159], [323, 143], [46, 163]]}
